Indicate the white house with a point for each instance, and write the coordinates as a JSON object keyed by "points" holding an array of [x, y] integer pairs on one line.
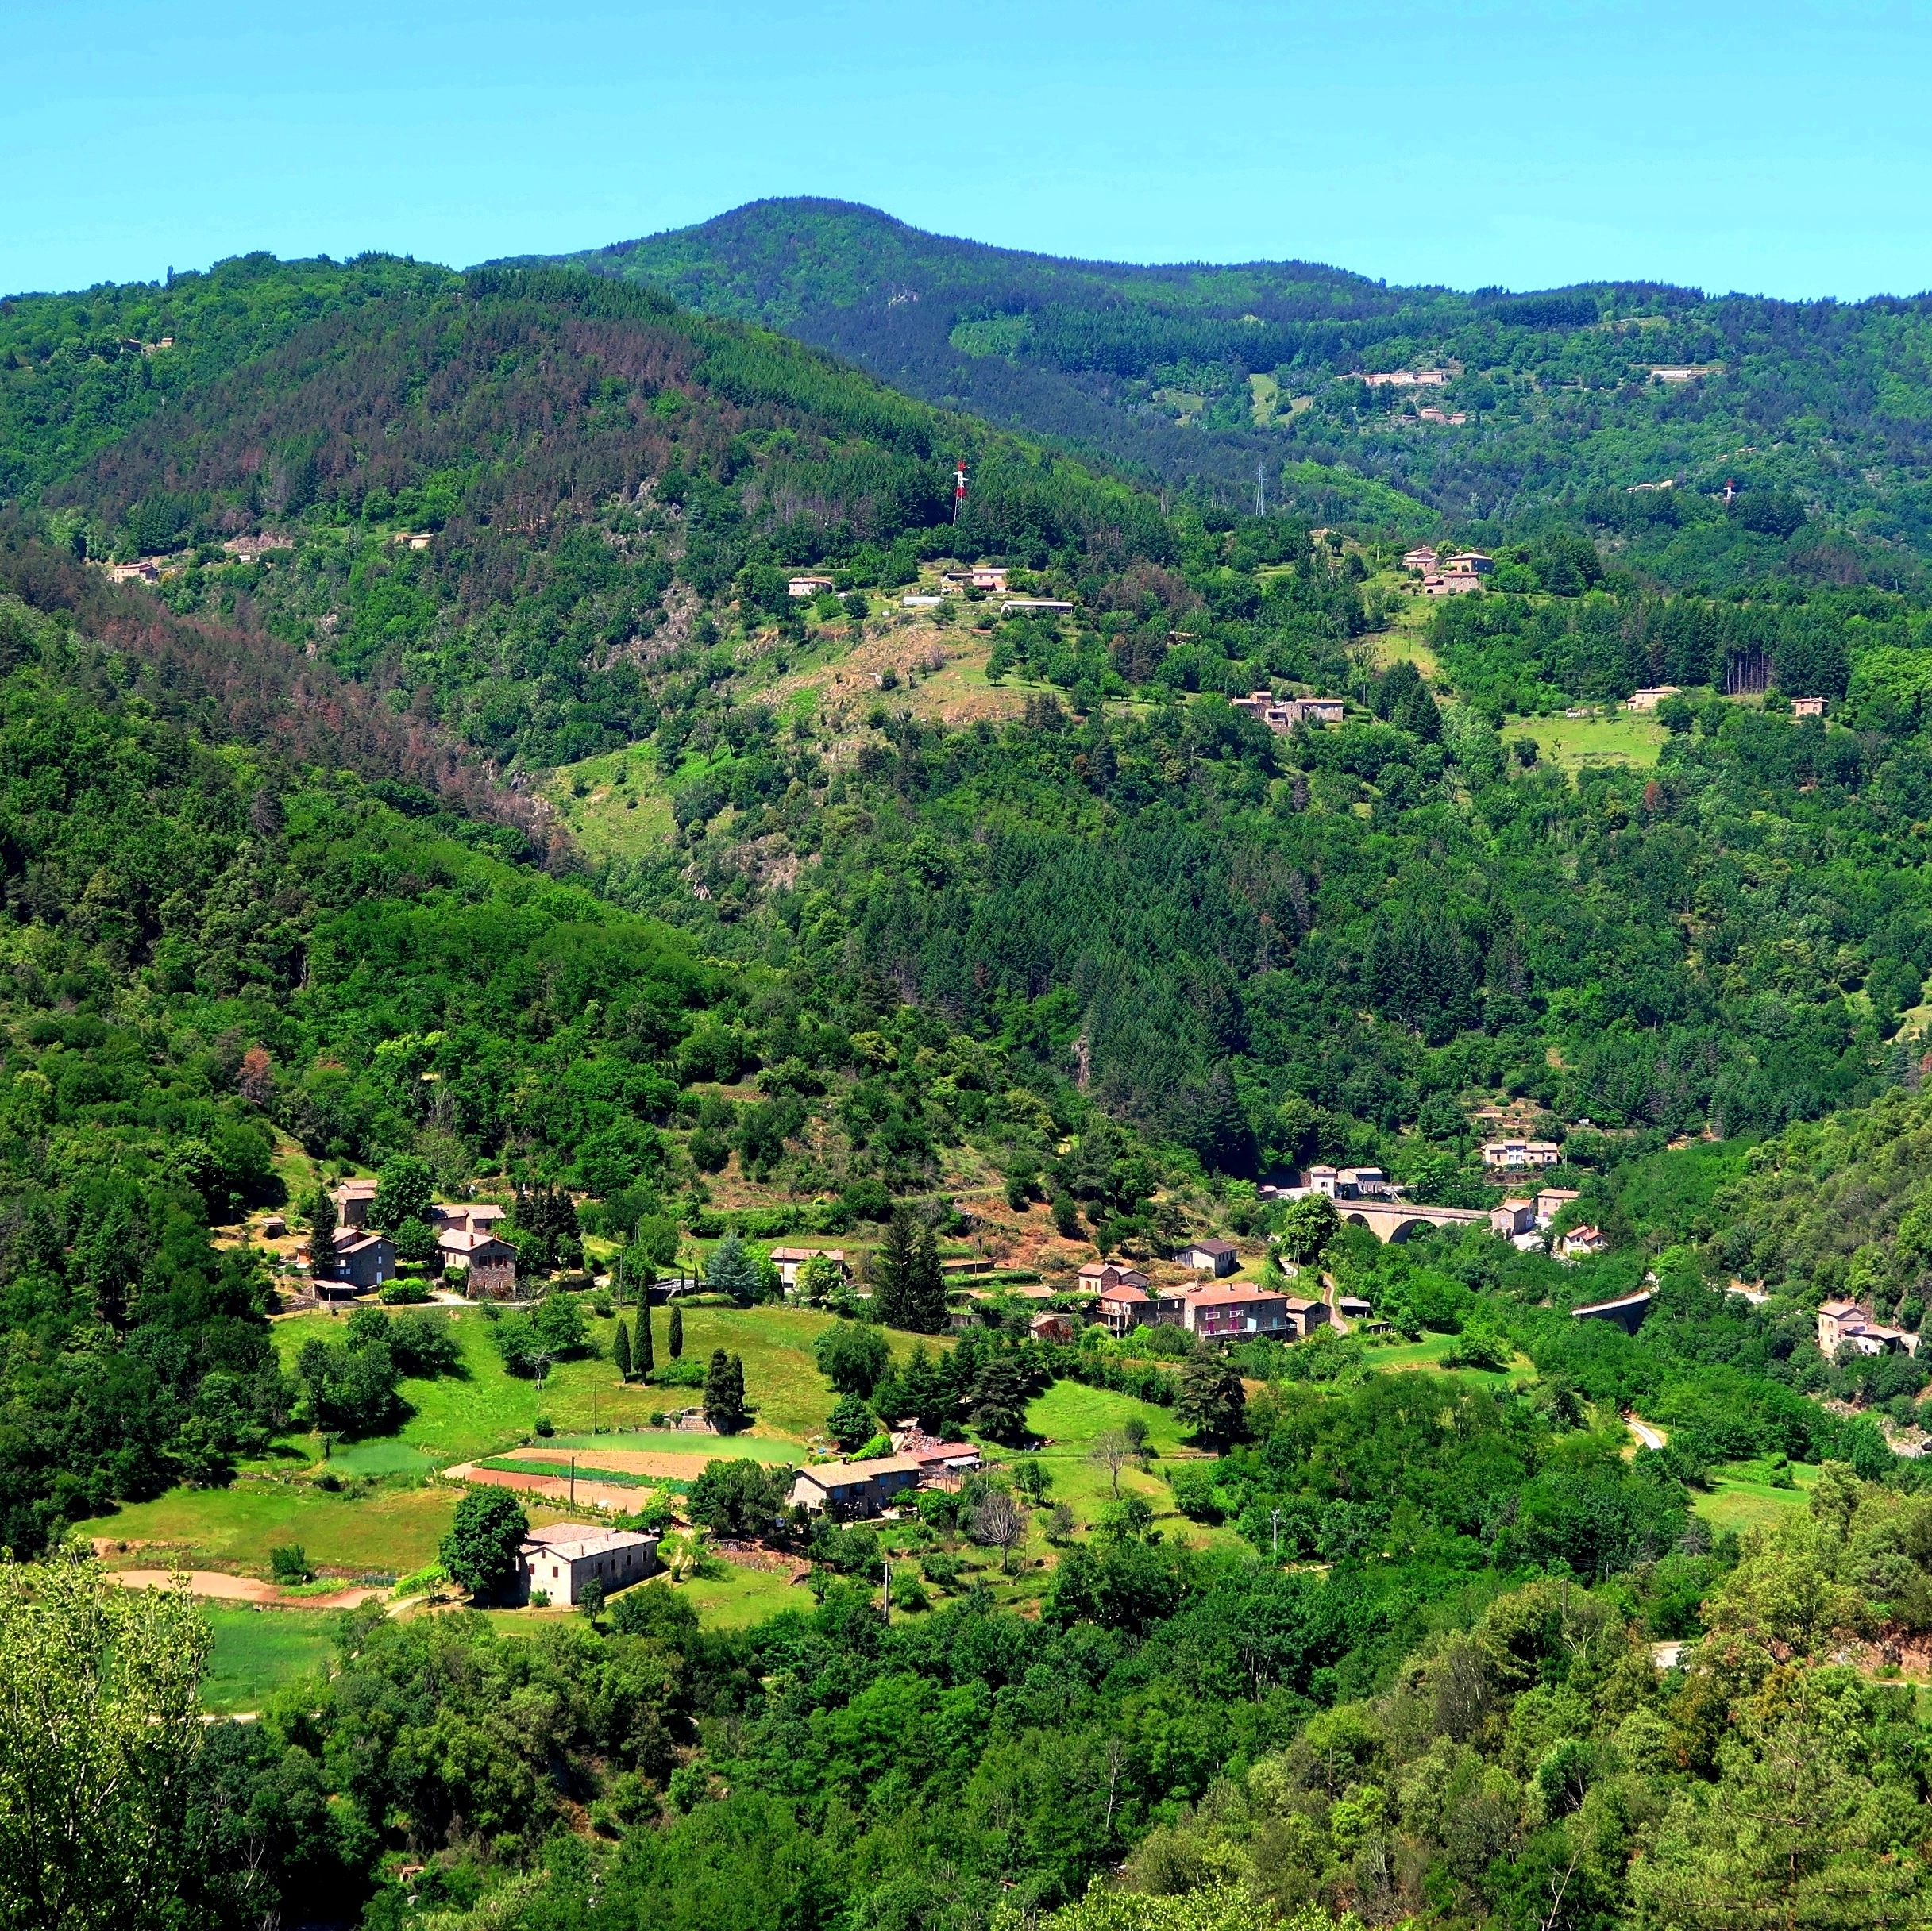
{"points": [[1214, 1257], [788, 1260], [1511, 1156], [561, 1559]]}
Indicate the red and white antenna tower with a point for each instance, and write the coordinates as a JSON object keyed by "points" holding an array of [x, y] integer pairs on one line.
{"points": [[959, 487]]}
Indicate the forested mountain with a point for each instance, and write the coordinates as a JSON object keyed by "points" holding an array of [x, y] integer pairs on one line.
{"points": [[1201, 370], [545, 516], [296, 847]]}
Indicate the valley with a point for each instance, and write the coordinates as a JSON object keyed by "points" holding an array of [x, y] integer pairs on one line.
{"points": [[1359, 1188]]}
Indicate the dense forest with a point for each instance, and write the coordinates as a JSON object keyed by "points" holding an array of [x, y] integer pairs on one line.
{"points": [[1201, 371], [287, 883]]}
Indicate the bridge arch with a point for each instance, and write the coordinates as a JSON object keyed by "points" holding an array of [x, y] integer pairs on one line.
{"points": [[1405, 1230]]}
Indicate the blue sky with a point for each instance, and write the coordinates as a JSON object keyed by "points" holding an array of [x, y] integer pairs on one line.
{"points": [[1781, 148]]}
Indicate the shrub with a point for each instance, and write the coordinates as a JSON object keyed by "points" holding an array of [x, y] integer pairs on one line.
{"points": [[289, 1564]]}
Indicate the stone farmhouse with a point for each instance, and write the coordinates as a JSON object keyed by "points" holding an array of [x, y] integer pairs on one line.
{"points": [[466, 1237], [1130, 1305], [854, 1490], [1552, 1200], [363, 1261], [1283, 714], [1846, 1324], [559, 1559], [353, 1199], [1102, 1277]]}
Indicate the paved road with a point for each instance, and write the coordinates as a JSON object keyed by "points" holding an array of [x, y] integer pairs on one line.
{"points": [[1650, 1437]]}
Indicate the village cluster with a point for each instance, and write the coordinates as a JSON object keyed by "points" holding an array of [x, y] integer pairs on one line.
{"points": [[1196, 1291]]}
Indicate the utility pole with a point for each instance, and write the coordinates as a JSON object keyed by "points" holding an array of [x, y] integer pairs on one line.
{"points": [[1274, 1516], [1261, 498], [885, 1604], [573, 1481]]}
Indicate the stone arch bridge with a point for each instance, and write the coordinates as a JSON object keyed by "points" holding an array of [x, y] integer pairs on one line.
{"points": [[1395, 1221]]}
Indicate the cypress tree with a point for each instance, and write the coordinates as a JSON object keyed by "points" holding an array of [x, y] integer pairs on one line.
{"points": [[724, 1393], [620, 1350], [647, 1353], [323, 1226], [677, 1331]]}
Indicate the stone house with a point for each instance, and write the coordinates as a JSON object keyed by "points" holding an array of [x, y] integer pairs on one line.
{"points": [[353, 1199], [1127, 1306], [1840, 1323], [1238, 1312], [559, 1559], [1512, 1156], [362, 1261], [788, 1260], [855, 1489]]}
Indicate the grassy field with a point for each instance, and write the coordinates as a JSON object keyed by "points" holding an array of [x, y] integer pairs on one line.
{"points": [[1428, 1353], [457, 1418], [388, 1531], [257, 1650], [394, 1526], [615, 804], [1591, 744], [1740, 1496], [700, 1448], [1072, 1417]]}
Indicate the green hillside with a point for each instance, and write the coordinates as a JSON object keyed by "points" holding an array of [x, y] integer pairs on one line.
{"points": [[1199, 370], [467, 800]]}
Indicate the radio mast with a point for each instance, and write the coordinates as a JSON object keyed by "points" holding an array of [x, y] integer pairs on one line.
{"points": [[959, 488]]}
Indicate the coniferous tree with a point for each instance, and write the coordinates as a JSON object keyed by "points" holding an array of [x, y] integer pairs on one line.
{"points": [[322, 1223], [891, 1269], [620, 1350], [724, 1393], [646, 1356], [677, 1332], [926, 1286], [733, 1271], [1211, 1401], [907, 1280]]}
